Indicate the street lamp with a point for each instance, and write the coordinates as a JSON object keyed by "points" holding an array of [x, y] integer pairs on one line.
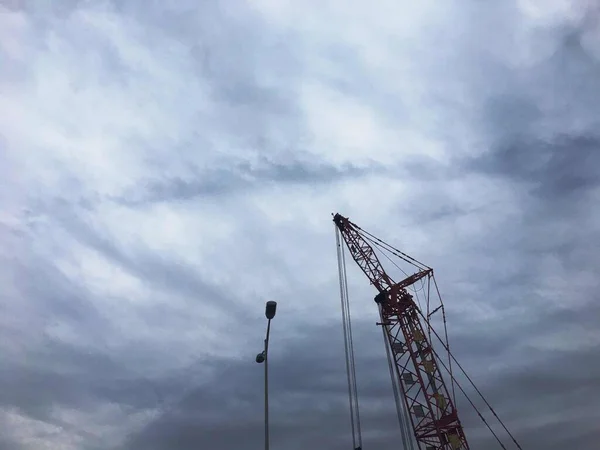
{"points": [[262, 357]]}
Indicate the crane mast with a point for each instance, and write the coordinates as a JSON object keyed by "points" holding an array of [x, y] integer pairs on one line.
{"points": [[430, 406]]}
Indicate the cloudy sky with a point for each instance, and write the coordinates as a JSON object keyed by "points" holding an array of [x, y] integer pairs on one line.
{"points": [[165, 170]]}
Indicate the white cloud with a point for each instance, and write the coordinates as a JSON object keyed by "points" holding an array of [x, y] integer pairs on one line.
{"points": [[156, 181], [97, 103]]}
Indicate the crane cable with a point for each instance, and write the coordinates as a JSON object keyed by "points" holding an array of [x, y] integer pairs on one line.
{"points": [[384, 246], [441, 362], [351, 342], [405, 427], [403, 420], [401, 409], [348, 346], [474, 387], [416, 292], [393, 250]]}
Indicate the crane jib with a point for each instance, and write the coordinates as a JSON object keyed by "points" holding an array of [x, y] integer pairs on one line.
{"points": [[425, 406], [426, 399]]}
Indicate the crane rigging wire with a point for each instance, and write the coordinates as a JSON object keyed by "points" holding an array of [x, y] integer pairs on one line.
{"points": [[392, 249], [472, 404], [401, 406], [474, 386], [351, 342], [384, 247], [348, 347], [402, 414]]}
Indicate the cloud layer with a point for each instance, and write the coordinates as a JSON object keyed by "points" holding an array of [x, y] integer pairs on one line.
{"points": [[164, 170]]}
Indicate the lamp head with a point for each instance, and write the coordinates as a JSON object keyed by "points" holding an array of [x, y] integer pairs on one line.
{"points": [[260, 358], [270, 309]]}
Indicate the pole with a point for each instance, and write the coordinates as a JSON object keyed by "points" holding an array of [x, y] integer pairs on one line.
{"points": [[267, 386]]}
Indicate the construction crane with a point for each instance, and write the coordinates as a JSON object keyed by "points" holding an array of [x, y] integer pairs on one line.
{"points": [[425, 406]]}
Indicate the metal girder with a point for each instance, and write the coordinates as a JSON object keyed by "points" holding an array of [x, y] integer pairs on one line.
{"points": [[433, 415]]}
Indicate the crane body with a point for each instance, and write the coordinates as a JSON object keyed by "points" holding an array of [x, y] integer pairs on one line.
{"points": [[430, 406]]}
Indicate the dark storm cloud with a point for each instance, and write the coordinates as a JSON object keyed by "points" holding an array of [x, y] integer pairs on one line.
{"points": [[75, 376], [309, 399], [554, 148], [80, 376], [62, 373], [562, 401], [547, 152], [552, 165], [163, 271], [55, 294], [35, 390], [307, 392], [246, 176], [563, 167], [9, 444], [254, 70]]}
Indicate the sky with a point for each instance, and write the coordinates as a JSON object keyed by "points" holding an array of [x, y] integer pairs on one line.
{"points": [[167, 167]]}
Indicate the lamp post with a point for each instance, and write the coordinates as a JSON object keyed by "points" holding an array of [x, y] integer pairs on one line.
{"points": [[262, 357]]}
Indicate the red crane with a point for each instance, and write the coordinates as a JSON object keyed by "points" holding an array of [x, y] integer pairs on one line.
{"points": [[424, 403]]}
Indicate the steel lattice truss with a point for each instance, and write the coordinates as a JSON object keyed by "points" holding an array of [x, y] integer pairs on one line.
{"points": [[432, 412]]}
